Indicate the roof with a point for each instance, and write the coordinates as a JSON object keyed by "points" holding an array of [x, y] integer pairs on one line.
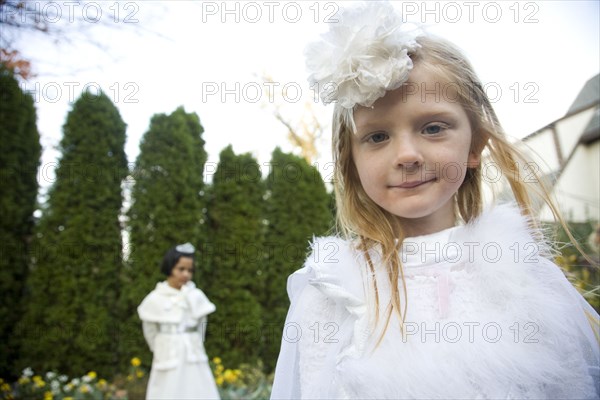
{"points": [[590, 94], [588, 97]]}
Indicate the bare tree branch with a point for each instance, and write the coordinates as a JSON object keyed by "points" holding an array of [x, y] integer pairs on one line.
{"points": [[305, 132], [66, 22]]}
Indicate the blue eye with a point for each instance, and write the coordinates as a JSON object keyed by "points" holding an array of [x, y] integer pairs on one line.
{"points": [[433, 129], [378, 137]]}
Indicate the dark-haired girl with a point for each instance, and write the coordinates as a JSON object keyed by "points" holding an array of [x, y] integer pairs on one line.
{"points": [[174, 318]]}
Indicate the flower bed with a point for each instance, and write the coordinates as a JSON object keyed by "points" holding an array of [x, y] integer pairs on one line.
{"points": [[245, 382]]}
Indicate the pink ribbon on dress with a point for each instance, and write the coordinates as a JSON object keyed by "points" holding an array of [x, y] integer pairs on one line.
{"points": [[443, 284], [443, 289]]}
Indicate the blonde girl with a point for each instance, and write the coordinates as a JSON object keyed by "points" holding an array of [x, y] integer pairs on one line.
{"points": [[426, 293]]}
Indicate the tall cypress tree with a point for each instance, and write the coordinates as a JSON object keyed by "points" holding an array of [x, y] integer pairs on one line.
{"points": [[167, 209], [232, 276], [19, 161], [73, 287], [297, 207]]}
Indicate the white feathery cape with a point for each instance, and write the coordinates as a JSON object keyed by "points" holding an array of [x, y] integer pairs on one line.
{"points": [[168, 305], [489, 317]]}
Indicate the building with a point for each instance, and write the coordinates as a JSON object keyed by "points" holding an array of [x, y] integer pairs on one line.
{"points": [[566, 153]]}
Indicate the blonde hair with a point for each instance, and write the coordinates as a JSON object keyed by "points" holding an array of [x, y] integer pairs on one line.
{"points": [[359, 217]]}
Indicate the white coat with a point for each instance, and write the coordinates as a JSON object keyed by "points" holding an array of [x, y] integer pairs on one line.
{"points": [[174, 323]]}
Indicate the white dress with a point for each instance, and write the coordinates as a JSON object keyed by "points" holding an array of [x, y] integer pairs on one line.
{"points": [[174, 323], [489, 317]]}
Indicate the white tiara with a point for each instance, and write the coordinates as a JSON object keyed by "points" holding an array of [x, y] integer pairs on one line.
{"points": [[186, 248], [362, 56]]}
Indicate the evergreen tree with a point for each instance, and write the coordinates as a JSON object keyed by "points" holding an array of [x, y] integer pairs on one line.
{"points": [[297, 208], [167, 209], [232, 276], [71, 309], [19, 161]]}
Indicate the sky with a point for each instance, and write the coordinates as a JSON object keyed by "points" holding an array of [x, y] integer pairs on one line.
{"points": [[209, 57]]}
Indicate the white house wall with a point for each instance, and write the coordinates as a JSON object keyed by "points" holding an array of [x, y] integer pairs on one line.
{"points": [[578, 189], [570, 129], [541, 150]]}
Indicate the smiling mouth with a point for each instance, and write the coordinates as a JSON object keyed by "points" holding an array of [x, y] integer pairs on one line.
{"points": [[413, 184]]}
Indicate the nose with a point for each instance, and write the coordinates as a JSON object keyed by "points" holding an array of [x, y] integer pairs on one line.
{"points": [[407, 152]]}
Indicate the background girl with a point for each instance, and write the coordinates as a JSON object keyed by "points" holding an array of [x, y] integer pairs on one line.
{"points": [[426, 293], [174, 323]]}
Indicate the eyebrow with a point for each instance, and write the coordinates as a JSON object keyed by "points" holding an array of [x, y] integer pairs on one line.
{"points": [[436, 114], [376, 123]]}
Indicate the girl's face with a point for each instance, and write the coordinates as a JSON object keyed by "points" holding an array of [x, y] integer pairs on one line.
{"points": [[182, 272], [412, 150]]}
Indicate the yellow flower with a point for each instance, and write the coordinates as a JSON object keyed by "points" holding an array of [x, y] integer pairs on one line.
{"points": [[585, 274], [101, 383], [48, 395], [139, 374], [37, 378], [237, 372], [5, 387], [40, 384], [1, 381], [229, 376], [23, 380], [136, 362], [92, 375], [129, 378], [220, 368], [67, 398], [219, 380], [217, 360]]}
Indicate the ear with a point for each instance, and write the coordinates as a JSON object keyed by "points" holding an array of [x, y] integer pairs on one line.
{"points": [[474, 160], [479, 142]]}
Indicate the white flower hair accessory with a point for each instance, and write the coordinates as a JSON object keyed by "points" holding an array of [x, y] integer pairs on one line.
{"points": [[186, 248], [362, 56]]}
